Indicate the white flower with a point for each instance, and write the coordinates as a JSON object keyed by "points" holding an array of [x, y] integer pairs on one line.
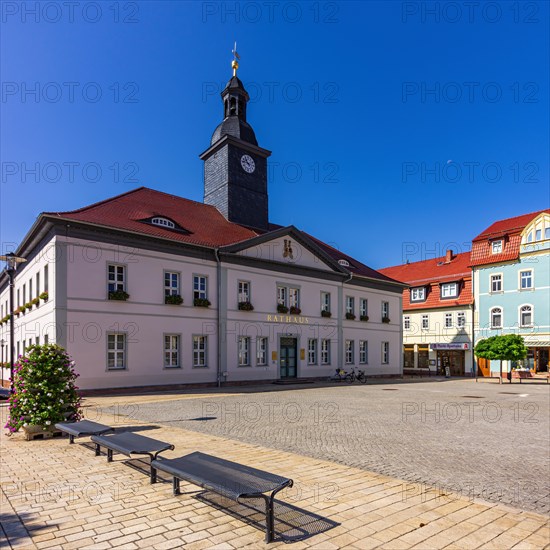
{"points": [[48, 422], [49, 394]]}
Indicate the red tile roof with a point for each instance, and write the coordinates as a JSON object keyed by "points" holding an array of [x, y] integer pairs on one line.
{"points": [[510, 231], [429, 274], [203, 224]]}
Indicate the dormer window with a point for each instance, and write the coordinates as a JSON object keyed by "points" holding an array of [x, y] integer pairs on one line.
{"points": [[496, 247], [418, 294], [449, 290], [163, 222], [343, 263]]}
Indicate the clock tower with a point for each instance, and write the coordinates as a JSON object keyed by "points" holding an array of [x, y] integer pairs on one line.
{"points": [[235, 167]]}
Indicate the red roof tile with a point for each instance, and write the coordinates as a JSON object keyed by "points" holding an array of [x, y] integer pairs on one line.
{"points": [[510, 231], [430, 274]]}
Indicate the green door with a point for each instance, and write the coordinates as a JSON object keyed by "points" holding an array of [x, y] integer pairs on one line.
{"points": [[288, 358]]}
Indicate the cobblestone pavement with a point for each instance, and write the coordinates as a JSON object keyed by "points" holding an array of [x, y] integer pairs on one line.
{"points": [[483, 440]]}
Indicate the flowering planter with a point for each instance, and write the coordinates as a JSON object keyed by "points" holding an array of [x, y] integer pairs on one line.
{"points": [[281, 308], [350, 316], [201, 302], [364, 318], [246, 306], [325, 313], [174, 299]]}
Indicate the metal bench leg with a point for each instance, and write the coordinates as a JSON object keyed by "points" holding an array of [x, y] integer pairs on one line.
{"points": [[97, 449], [176, 486], [109, 455], [71, 439], [153, 470]]}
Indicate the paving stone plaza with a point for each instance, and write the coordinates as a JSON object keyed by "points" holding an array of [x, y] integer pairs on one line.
{"points": [[393, 464]]}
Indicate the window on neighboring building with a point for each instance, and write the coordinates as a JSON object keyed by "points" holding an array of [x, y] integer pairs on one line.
{"points": [[348, 348], [243, 290], [418, 294], [116, 351], [460, 319], [385, 353], [496, 283], [200, 287], [261, 351], [244, 351], [325, 301], [547, 233], [449, 290], [363, 352], [530, 237], [406, 322], [350, 304], [526, 279], [171, 283], [496, 247], [385, 310], [199, 351], [425, 322], [116, 278], [448, 320], [526, 316], [363, 307], [538, 235], [325, 351], [312, 351], [171, 350], [496, 317]]}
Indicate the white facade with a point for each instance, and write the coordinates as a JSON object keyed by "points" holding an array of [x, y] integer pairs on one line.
{"points": [[144, 342]]}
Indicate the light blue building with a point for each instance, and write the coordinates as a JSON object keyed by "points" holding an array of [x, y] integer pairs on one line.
{"points": [[511, 279]]}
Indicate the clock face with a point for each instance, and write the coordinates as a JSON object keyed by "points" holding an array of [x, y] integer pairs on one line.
{"points": [[247, 163]]}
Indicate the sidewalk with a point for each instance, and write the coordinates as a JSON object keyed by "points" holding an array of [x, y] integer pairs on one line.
{"points": [[56, 495]]}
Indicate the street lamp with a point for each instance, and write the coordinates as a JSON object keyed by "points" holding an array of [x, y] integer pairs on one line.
{"points": [[11, 265]]}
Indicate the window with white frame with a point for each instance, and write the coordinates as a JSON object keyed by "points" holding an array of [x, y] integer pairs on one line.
{"points": [[385, 353], [348, 349], [116, 350], [243, 290], [200, 287], [350, 304], [312, 351], [449, 290], [38, 284], [547, 232], [406, 322], [18, 297], [261, 351], [496, 247], [294, 297], [496, 282], [363, 307], [526, 316], [363, 352], [199, 351], [171, 283], [281, 295], [30, 289], [526, 279], [385, 309], [418, 294], [171, 350], [163, 222], [448, 320], [460, 319], [496, 317], [325, 301], [116, 278], [244, 351], [538, 235], [24, 294], [325, 351], [46, 278], [425, 322]]}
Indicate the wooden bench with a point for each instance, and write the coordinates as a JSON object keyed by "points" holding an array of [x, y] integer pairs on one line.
{"points": [[130, 443], [528, 375], [82, 428], [228, 479]]}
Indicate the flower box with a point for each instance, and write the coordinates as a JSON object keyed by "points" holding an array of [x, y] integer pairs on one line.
{"points": [[44, 296], [282, 308], [385, 319], [201, 302], [325, 313], [295, 310], [120, 295], [363, 317], [173, 299], [246, 306], [350, 316]]}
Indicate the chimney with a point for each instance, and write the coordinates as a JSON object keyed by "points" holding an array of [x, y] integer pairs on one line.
{"points": [[448, 256]]}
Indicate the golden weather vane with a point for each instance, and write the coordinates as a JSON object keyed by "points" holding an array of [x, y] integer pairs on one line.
{"points": [[235, 62]]}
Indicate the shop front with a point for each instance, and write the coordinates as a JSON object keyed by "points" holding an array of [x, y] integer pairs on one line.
{"points": [[450, 358]]}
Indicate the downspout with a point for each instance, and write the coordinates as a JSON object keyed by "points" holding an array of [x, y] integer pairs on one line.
{"points": [[219, 324], [474, 365]]}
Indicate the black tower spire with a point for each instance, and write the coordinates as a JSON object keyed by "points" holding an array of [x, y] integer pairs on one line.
{"points": [[235, 168]]}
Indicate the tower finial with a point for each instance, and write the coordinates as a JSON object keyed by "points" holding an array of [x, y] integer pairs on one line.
{"points": [[235, 62]]}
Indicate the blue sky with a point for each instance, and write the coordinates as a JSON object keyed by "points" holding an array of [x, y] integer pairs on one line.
{"points": [[398, 129]]}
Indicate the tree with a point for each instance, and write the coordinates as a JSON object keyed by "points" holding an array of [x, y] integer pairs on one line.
{"points": [[44, 389], [508, 347]]}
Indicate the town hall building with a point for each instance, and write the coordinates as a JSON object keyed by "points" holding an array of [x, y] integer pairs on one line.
{"points": [[150, 289]]}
